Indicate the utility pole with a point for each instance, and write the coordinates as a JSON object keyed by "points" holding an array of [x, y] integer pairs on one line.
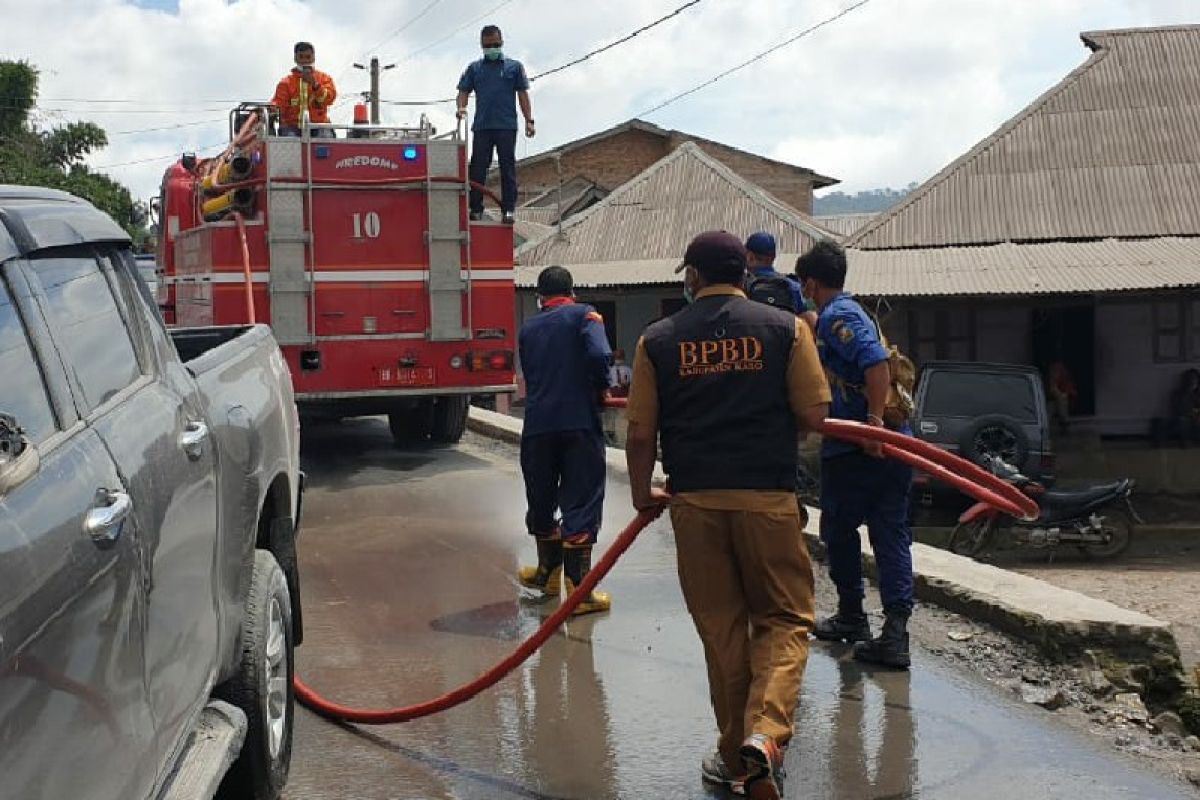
{"points": [[373, 95]]}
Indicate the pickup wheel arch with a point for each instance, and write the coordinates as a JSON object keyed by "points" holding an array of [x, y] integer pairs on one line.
{"points": [[277, 534]]}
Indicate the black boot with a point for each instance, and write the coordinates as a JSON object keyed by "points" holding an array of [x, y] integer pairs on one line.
{"points": [[547, 575], [848, 625], [577, 562], [891, 648]]}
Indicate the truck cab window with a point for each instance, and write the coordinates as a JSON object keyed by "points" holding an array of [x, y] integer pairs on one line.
{"points": [[22, 391], [92, 334]]}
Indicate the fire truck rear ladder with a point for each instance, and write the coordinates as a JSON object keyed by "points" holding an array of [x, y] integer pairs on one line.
{"points": [[289, 241], [447, 241]]}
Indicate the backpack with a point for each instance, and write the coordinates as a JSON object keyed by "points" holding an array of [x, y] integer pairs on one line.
{"points": [[900, 406], [773, 290]]}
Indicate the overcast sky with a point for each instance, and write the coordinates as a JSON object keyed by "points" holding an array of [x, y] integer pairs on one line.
{"points": [[886, 95]]}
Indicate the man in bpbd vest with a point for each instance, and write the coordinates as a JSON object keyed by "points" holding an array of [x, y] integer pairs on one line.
{"points": [[565, 358], [857, 485], [728, 385]]}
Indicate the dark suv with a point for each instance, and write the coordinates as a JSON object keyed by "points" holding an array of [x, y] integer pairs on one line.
{"points": [[985, 409]]}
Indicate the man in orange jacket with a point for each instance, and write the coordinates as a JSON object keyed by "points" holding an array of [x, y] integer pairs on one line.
{"points": [[304, 87]]}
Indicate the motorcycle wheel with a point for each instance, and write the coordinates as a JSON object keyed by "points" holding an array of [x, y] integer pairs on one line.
{"points": [[971, 538], [1118, 533]]}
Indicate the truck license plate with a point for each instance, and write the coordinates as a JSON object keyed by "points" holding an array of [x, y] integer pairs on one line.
{"points": [[415, 376]]}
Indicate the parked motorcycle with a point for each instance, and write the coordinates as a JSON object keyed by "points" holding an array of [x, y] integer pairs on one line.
{"points": [[1099, 519]]}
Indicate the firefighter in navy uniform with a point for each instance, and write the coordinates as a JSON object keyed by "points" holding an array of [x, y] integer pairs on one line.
{"points": [[565, 358], [857, 485], [729, 384]]}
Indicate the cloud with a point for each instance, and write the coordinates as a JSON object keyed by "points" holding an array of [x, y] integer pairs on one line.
{"points": [[886, 95]]}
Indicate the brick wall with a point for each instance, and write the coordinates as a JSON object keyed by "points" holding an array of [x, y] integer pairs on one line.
{"points": [[612, 161]]}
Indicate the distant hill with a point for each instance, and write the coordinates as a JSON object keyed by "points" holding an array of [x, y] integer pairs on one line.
{"points": [[871, 201]]}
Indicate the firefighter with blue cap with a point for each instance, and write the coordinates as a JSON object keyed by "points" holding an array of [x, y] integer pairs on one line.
{"points": [[565, 358], [857, 484]]}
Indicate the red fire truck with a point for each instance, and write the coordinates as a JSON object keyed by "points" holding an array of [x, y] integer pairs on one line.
{"points": [[358, 251]]}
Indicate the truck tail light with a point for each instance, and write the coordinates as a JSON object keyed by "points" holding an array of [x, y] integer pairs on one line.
{"points": [[491, 360]]}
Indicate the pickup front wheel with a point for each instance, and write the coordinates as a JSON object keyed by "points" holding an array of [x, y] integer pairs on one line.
{"points": [[263, 687]]}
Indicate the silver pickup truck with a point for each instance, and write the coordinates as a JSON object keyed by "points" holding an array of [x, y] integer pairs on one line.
{"points": [[149, 501]]}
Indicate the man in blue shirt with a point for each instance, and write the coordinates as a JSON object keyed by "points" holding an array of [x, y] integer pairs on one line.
{"points": [[565, 358], [497, 82], [763, 283], [857, 485]]}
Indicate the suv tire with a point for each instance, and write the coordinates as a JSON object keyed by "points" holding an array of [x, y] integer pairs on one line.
{"points": [[995, 435], [262, 687]]}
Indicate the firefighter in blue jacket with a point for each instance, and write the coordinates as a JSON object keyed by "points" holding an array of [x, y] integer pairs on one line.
{"points": [[565, 358], [857, 484]]}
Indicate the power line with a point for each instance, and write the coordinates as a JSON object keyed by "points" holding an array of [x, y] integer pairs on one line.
{"points": [[455, 32], [758, 57], [125, 101], [169, 127], [152, 159], [620, 41], [569, 64], [403, 27]]}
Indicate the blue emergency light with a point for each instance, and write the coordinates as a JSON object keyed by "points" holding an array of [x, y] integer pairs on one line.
{"points": [[411, 153]]}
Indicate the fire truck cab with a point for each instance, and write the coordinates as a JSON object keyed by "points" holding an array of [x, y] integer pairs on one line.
{"points": [[354, 244]]}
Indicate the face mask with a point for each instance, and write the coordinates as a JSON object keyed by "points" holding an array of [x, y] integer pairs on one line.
{"points": [[688, 296], [492, 53]]}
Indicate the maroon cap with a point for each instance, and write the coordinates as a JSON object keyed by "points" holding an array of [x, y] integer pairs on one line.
{"points": [[714, 250]]}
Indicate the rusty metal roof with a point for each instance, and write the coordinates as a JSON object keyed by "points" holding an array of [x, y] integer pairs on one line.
{"points": [[658, 212], [1112, 151], [1111, 265]]}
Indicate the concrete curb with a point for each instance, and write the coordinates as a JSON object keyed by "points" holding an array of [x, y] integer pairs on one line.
{"points": [[1059, 621]]}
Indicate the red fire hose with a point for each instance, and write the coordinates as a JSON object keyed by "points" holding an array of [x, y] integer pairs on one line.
{"points": [[249, 279], [978, 483]]}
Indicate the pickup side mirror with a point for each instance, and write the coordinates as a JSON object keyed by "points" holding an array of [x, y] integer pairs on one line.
{"points": [[19, 459]]}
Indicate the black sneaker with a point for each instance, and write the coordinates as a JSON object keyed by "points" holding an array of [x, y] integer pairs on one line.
{"points": [[843, 627], [476, 216], [508, 218]]}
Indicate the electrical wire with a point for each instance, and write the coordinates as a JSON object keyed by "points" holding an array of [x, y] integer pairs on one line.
{"points": [[573, 62], [152, 159], [403, 27], [169, 127], [756, 58], [455, 32]]}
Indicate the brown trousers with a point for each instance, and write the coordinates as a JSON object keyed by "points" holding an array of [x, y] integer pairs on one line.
{"points": [[748, 584]]}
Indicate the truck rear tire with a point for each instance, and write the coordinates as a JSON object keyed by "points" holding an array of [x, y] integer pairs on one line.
{"points": [[450, 418], [412, 425], [262, 687]]}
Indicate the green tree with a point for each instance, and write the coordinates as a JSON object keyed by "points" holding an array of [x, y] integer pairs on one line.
{"points": [[33, 156]]}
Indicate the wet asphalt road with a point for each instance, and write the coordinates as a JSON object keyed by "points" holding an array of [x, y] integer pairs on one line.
{"points": [[408, 560]]}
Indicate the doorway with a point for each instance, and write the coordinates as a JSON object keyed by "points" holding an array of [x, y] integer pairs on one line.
{"points": [[1067, 335]]}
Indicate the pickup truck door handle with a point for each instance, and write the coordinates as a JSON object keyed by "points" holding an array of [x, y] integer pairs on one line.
{"points": [[192, 439], [105, 521]]}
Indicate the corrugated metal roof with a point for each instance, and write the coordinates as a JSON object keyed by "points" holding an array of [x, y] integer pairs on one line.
{"points": [[844, 224], [1111, 151], [658, 212], [1110, 265]]}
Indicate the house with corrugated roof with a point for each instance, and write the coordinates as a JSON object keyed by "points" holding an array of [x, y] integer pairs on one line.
{"points": [[623, 250], [1070, 234], [599, 163]]}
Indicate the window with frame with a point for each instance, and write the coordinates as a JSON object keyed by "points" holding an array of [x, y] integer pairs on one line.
{"points": [[23, 388], [1169, 331], [88, 325], [942, 334]]}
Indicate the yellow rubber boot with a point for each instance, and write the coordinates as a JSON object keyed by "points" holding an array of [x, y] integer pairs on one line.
{"points": [[577, 562], [546, 577]]}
